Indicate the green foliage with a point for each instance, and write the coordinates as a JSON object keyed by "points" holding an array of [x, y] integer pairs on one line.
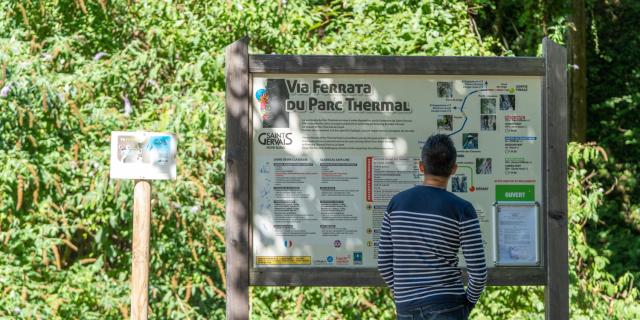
{"points": [[322, 303], [516, 27], [595, 293], [70, 68], [66, 227], [614, 102]]}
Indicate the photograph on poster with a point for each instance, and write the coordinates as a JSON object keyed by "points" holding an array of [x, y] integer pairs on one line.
{"points": [[445, 122], [488, 123], [487, 106], [507, 102], [272, 101], [459, 183], [483, 166], [445, 89], [469, 141]]}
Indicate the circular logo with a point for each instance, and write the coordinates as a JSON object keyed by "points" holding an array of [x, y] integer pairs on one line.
{"points": [[259, 93], [330, 259], [337, 244]]}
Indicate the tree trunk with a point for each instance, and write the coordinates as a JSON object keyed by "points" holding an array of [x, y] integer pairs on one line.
{"points": [[578, 71]]}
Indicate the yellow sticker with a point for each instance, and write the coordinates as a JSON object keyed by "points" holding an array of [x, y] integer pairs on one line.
{"points": [[280, 260]]}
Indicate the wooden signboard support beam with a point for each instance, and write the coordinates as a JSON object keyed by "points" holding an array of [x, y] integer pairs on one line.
{"points": [[556, 295], [140, 259], [237, 180]]}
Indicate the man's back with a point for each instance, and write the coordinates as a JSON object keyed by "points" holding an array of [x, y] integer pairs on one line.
{"points": [[422, 232]]}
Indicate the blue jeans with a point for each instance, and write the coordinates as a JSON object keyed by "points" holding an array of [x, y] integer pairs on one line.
{"points": [[439, 311]]}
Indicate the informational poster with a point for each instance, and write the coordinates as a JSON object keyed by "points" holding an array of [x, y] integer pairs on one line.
{"points": [[329, 152], [517, 234], [143, 155]]}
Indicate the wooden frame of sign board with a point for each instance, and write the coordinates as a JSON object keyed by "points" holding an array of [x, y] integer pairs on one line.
{"points": [[241, 66]]}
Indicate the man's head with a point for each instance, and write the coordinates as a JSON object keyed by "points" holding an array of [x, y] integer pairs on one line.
{"points": [[438, 156]]}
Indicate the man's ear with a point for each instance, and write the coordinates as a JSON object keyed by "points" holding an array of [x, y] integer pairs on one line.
{"points": [[454, 169], [421, 166]]}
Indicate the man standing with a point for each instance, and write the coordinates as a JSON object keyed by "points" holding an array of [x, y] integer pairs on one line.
{"points": [[422, 232]]}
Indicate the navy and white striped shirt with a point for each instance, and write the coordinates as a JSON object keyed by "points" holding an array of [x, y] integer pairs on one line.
{"points": [[422, 232]]}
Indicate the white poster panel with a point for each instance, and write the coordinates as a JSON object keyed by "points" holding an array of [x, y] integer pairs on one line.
{"points": [[329, 152], [143, 155], [517, 234]]}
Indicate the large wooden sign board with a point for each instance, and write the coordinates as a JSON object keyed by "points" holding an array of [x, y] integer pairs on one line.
{"points": [[317, 145]]}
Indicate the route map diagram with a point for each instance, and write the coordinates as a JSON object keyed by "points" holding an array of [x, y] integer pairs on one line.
{"points": [[470, 140], [491, 103]]}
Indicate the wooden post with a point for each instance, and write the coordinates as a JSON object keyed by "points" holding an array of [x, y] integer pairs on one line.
{"points": [[140, 259], [237, 179], [556, 295]]}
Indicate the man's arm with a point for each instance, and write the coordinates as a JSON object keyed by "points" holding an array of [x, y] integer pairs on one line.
{"points": [[385, 252], [473, 251]]}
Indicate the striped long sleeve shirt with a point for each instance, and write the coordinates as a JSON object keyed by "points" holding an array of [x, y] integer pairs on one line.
{"points": [[422, 232]]}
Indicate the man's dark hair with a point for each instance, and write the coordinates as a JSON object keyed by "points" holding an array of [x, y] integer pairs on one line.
{"points": [[438, 155]]}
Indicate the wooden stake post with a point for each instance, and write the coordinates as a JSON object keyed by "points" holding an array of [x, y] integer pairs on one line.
{"points": [[142, 156], [552, 272], [140, 250]]}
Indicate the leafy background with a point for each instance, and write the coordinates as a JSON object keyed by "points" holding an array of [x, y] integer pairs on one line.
{"points": [[72, 71]]}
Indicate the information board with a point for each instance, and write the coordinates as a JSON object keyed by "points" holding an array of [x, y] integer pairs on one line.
{"points": [[329, 151], [143, 155]]}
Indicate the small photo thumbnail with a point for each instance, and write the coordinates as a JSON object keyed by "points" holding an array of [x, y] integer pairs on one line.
{"points": [[487, 106], [469, 141], [445, 89], [445, 122], [459, 183], [507, 102], [488, 123], [483, 165]]}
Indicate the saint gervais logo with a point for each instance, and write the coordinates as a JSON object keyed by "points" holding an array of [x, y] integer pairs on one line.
{"points": [[275, 139], [288, 243]]}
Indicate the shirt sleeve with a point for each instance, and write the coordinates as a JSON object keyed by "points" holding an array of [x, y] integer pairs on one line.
{"points": [[473, 251], [385, 251]]}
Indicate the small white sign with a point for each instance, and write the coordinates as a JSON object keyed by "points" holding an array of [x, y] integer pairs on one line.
{"points": [[143, 155], [517, 233]]}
